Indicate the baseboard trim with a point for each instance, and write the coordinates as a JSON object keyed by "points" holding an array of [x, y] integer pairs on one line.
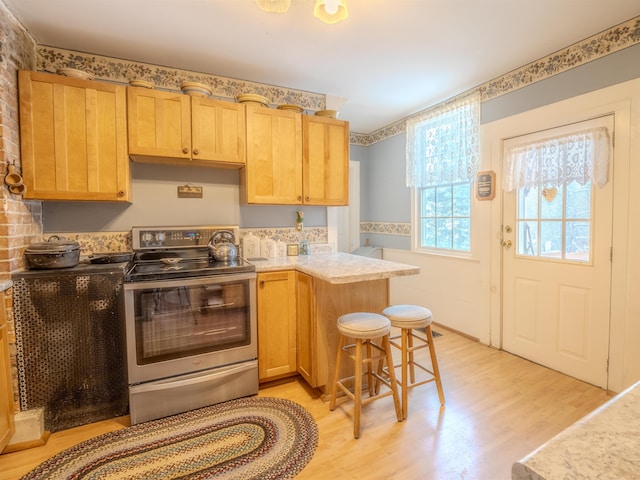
{"points": [[39, 442]]}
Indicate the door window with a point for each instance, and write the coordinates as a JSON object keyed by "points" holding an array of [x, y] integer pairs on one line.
{"points": [[555, 222]]}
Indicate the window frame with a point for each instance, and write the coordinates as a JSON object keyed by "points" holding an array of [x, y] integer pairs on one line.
{"points": [[443, 252]]}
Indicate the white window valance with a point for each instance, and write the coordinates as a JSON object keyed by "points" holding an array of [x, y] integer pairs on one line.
{"points": [[443, 143], [581, 156]]}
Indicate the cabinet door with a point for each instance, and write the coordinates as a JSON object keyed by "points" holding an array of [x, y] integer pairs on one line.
{"points": [[73, 137], [273, 174], [325, 166], [276, 300], [306, 331], [7, 426], [218, 131], [159, 125]]}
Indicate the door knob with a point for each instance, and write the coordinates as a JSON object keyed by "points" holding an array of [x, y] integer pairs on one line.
{"points": [[507, 243]]}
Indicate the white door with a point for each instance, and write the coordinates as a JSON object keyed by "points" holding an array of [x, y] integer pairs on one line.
{"points": [[557, 271]]}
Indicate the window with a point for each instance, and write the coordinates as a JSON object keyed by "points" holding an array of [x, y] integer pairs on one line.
{"points": [[445, 216], [442, 161]]}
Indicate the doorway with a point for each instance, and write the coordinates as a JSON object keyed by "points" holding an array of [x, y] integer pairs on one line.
{"points": [[556, 268], [348, 218]]}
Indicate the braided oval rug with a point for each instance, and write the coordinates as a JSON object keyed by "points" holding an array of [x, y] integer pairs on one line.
{"points": [[249, 438]]}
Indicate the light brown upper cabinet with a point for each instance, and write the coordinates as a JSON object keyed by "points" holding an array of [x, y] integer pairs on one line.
{"points": [[325, 167], [73, 138], [273, 174], [175, 128], [295, 159]]}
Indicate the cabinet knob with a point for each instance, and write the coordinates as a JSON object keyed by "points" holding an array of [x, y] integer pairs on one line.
{"points": [[261, 283], [185, 150], [120, 193], [307, 198], [195, 151], [299, 198]]}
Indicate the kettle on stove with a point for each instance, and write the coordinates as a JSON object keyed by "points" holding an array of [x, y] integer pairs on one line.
{"points": [[221, 246]]}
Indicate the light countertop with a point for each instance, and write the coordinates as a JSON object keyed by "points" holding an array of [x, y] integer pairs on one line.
{"points": [[337, 267], [604, 445]]}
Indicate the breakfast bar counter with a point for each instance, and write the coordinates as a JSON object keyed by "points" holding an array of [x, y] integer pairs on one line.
{"points": [[337, 268], [604, 445]]}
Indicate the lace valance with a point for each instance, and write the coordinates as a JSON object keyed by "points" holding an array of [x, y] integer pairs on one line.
{"points": [[581, 156], [443, 143]]}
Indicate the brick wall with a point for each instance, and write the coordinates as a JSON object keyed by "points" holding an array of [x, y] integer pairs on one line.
{"points": [[20, 221]]}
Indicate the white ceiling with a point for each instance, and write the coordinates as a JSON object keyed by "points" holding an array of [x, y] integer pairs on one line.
{"points": [[389, 59]]}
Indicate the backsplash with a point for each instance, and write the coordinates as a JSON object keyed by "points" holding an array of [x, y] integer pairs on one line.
{"points": [[105, 242]]}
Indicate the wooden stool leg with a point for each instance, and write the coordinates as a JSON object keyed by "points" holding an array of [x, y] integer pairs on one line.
{"points": [[336, 375], [380, 372], [370, 382], [434, 363], [404, 347], [410, 361], [357, 390], [392, 378]]}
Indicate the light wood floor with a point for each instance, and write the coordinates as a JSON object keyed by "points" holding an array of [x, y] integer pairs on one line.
{"points": [[498, 408]]}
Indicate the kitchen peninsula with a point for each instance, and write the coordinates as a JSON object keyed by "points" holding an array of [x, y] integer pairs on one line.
{"points": [[328, 285]]}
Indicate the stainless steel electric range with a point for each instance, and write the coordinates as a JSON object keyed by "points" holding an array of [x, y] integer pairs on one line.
{"points": [[191, 329]]}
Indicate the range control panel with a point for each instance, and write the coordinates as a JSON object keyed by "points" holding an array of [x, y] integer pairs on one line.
{"points": [[177, 237]]}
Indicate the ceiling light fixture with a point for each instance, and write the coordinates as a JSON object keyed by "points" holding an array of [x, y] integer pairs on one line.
{"points": [[274, 6], [331, 11]]}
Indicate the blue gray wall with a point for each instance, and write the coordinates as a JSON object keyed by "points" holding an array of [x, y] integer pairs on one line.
{"points": [[155, 202]]}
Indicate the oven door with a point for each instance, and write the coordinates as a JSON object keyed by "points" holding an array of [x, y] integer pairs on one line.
{"points": [[176, 327]]}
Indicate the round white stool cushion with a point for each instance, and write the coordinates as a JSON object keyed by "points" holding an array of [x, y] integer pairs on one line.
{"points": [[363, 325], [408, 316]]}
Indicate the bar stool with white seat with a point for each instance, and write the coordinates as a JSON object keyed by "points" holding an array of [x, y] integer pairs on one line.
{"points": [[409, 318], [364, 328]]}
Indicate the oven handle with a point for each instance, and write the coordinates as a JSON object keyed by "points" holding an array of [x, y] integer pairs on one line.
{"points": [[208, 280], [219, 373]]}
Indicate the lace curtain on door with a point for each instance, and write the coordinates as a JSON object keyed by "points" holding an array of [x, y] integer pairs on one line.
{"points": [[581, 156]]}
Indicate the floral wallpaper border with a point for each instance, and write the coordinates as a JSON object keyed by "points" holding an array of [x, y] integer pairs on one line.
{"points": [[386, 228], [123, 71], [599, 45]]}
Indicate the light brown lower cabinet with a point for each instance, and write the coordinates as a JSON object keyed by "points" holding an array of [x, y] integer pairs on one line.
{"points": [[276, 298], [306, 328], [7, 426]]}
